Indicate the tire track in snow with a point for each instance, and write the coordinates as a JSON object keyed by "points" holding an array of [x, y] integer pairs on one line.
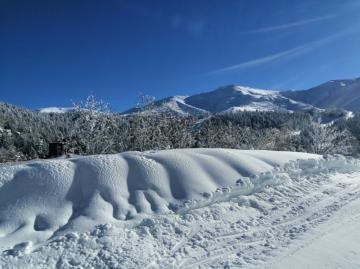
{"points": [[314, 215]]}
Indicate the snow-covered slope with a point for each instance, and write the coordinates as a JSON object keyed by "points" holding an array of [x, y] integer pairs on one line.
{"points": [[341, 94], [55, 109], [175, 105], [188, 208], [235, 98], [230, 98]]}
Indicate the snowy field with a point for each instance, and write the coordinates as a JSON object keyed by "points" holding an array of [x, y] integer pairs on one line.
{"points": [[190, 208]]}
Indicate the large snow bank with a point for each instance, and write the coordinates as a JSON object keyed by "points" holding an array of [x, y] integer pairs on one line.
{"points": [[213, 209], [41, 198]]}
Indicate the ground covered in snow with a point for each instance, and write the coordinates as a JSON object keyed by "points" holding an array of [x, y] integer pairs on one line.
{"points": [[194, 208]]}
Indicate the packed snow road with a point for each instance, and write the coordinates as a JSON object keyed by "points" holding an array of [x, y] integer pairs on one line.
{"points": [[198, 208], [333, 244]]}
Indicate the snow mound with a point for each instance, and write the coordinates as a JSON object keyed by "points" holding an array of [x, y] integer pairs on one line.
{"points": [[40, 199]]}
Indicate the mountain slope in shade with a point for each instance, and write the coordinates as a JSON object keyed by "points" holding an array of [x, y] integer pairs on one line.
{"points": [[343, 94]]}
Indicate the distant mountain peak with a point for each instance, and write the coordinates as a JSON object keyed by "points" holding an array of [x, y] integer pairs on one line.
{"points": [[226, 99], [245, 90]]}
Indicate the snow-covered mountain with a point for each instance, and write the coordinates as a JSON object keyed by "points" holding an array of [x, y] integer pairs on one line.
{"points": [[238, 98], [231, 98], [341, 94], [338, 94]]}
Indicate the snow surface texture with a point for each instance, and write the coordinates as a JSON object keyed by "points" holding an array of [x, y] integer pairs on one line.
{"points": [[42, 197], [195, 208]]}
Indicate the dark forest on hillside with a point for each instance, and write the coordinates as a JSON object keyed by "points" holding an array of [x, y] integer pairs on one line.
{"points": [[25, 134]]}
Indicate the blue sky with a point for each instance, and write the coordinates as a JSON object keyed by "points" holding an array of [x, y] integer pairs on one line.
{"points": [[52, 52]]}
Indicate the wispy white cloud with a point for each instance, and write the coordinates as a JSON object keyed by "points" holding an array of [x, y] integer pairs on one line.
{"points": [[287, 54], [259, 61], [292, 24]]}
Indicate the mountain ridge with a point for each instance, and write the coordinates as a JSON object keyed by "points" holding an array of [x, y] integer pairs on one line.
{"points": [[343, 94], [230, 98]]}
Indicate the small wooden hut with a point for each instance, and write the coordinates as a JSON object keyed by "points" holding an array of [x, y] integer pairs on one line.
{"points": [[56, 149]]}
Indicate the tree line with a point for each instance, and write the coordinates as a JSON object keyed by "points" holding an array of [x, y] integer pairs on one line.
{"points": [[90, 128]]}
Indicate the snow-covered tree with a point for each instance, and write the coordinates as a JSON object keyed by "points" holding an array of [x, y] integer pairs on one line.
{"points": [[93, 129], [145, 102], [326, 139]]}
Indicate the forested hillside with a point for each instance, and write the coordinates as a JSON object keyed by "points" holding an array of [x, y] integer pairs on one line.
{"points": [[91, 129]]}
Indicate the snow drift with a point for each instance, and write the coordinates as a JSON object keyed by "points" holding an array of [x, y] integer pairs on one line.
{"points": [[41, 198], [190, 208]]}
